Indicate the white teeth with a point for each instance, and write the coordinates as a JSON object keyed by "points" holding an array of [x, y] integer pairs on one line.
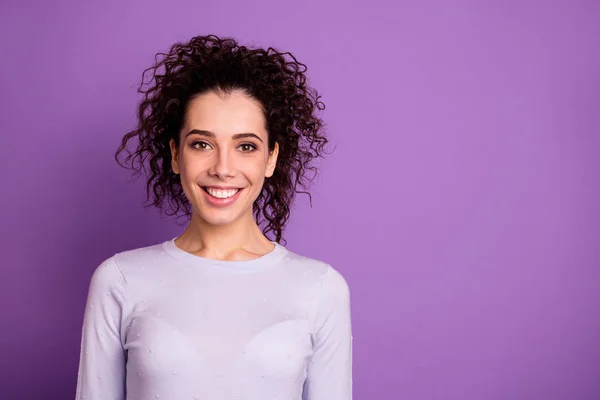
{"points": [[221, 194]]}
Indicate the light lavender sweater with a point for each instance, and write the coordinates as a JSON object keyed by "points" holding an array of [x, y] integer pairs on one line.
{"points": [[161, 323]]}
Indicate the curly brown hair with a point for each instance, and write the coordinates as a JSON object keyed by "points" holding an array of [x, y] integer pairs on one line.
{"points": [[209, 63]]}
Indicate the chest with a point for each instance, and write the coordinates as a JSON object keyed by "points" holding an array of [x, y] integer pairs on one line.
{"points": [[219, 330]]}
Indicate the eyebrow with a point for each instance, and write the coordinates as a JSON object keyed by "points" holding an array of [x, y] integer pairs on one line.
{"points": [[212, 134]]}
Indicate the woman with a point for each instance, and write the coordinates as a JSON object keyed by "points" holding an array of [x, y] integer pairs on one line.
{"points": [[221, 311]]}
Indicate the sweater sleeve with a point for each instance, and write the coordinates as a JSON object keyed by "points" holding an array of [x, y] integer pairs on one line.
{"points": [[329, 373], [101, 373]]}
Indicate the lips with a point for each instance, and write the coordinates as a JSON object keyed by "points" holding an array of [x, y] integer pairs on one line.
{"points": [[220, 193], [221, 197]]}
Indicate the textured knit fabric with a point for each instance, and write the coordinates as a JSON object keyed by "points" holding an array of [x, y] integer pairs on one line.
{"points": [[162, 323]]}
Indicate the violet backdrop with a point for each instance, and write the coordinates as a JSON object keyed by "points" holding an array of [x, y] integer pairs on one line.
{"points": [[461, 203]]}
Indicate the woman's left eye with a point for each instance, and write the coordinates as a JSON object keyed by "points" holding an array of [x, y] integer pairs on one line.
{"points": [[247, 147]]}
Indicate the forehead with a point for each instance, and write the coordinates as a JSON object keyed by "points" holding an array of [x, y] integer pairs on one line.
{"points": [[225, 114]]}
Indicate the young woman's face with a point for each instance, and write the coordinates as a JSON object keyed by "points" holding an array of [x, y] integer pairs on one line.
{"points": [[223, 157]]}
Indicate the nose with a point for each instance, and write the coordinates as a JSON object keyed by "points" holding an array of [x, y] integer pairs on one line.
{"points": [[222, 166]]}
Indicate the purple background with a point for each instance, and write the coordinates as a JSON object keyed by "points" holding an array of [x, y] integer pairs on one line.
{"points": [[461, 203]]}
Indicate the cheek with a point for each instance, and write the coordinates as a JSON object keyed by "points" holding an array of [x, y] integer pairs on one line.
{"points": [[254, 168], [192, 167], [258, 174]]}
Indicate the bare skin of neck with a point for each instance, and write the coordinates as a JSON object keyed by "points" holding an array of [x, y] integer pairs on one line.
{"points": [[239, 241]]}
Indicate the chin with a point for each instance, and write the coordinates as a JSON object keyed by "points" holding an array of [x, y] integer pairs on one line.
{"points": [[218, 218], [220, 222]]}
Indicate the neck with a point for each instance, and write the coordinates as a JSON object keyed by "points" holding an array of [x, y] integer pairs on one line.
{"points": [[240, 239]]}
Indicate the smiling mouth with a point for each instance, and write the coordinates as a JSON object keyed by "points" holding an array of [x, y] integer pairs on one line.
{"points": [[221, 193]]}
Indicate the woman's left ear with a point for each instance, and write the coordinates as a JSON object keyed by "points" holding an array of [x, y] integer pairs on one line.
{"points": [[272, 161]]}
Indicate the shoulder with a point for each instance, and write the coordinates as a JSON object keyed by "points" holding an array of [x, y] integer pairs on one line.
{"points": [[335, 283], [121, 265], [328, 291], [107, 273], [327, 278], [134, 259]]}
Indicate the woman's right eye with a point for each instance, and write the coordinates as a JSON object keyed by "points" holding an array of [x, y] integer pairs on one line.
{"points": [[200, 145]]}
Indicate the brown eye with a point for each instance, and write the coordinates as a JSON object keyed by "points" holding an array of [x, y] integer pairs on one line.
{"points": [[200, 145], [248, 147]]}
